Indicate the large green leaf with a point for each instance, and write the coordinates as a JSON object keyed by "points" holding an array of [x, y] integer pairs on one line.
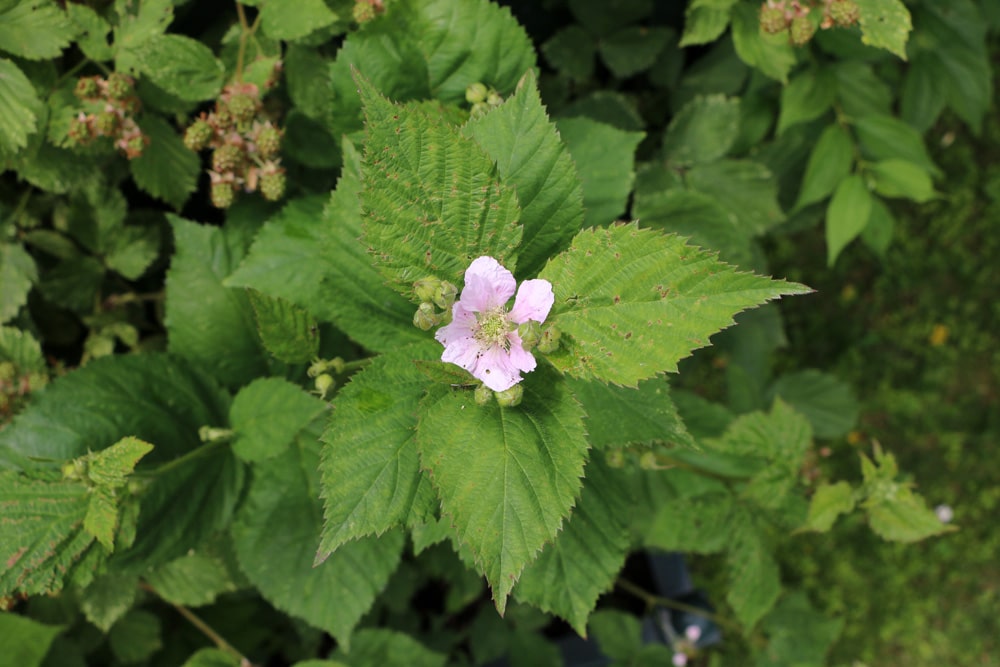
{"points": [[746, 189], [182, 66], [155, 397], [620, 416], [632, 49], [705, 21], [19, 106], [268, 414], [207, 322], [826, 401], [197, 578], [312, 257], [507, 477], [884, 137], [584, 559], [371, 478], [41, 534], [276, 533], [24, 642], [34, 29], [167, 169], [375, 647], [846, 215], [754, 577], [807, 96], [605, 160], [798, 634], [771, 54], [829, 163], [894, 511], [828, 502], [702, 131], [885, 24], [702, 524], [519, 137], [288, 331], [17, 273], [632, 302], [432, 199], [290, 21]]}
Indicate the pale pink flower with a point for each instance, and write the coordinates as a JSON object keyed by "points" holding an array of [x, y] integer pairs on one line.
{"points": [[482, 337]]}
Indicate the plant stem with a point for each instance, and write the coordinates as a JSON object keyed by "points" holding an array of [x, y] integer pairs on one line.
{"points": [[180, 460], [653, 600], [246, 31], [204, 627]]}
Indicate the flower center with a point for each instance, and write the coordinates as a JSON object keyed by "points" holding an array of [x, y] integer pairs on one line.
{"points": [[493, 328]]}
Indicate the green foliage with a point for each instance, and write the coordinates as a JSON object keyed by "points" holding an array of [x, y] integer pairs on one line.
{"points": [[24, 641], [288, 332], [885, 24], [268, 415]]}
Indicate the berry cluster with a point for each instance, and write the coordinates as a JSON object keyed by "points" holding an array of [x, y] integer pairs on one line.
{"points": [[777, 16], [482, 98], [244, 146], [112, 107], [366, 10]]}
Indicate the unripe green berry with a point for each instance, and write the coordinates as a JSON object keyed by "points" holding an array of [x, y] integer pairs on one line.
{"points": [[242, 107], [483, 395], [479, 108], [444, 295], [75, 469], [648, 461], [772, 19], [226, 158], [476, 92], [87, 88], [844, 12], [222, 195], [324, 383], [268, 142], [426, 317], [106, 122], [615, 458], [119, 86], [510, 398], [197, 136], [802, 30], [272, 185]]}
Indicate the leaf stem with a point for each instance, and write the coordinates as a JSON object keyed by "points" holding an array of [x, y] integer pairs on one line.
{"points": [[204, 627], [246, 31], [196, 453], [653, 600]]}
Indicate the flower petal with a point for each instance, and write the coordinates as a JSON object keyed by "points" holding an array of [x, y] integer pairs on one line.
{"points": [[533, 302], [495, 369], [463, 352], [463, 325], [487, 285], [520, 359]]}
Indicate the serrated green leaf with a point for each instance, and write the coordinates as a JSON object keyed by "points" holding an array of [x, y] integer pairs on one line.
{"points": [[798, 634], [101, 519], [73, 284], [605, 162], [213, 657], [632, 49], [34, 29], [829, 164], [312, 257], [705, 21], [754, 577], [138, 22], [136, 636], [111, 467], [17, 273], [529, 155], [21, 349], [307, 77], [181, 66], [901, 178], [41, 534], [24, 642], [276, 533], [284, 21], [166, 169], [583, 561], [632, 302], [93, 32], [571, 52], [617, 633], [885, 24], [432, 200], [372, 647], [154, 397], [619, 416], [825, 400], [507, 477], [193, 580], [131, 250], [19, 105], [846, 215], [827, 503], [268, 414], [107, 598], [371, 478], [702, 131], [807, 96], [878, 233], [860, 91], [703, 524], [771, 54], [288, 331], [746, 189], [894, 511], [884, 137], [924, 94], [208, 323], [602, 18], [183, 506]]}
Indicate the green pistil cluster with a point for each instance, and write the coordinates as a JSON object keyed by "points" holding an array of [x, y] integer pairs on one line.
{"points": [[494, 325]]}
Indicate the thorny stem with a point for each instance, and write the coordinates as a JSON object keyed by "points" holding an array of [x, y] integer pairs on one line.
{"points": [[204, 627], [653, 600]]}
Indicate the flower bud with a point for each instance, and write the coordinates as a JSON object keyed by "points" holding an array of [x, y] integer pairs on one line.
{"points": [[425, 288], [426, 317], [648, 461], [509, 398], [530, 333], [213, 434], [494, 99], [476, 92], [444, 295], [324, 383], [76, 469], [550, 340], [615, 458], [483, 395]]}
